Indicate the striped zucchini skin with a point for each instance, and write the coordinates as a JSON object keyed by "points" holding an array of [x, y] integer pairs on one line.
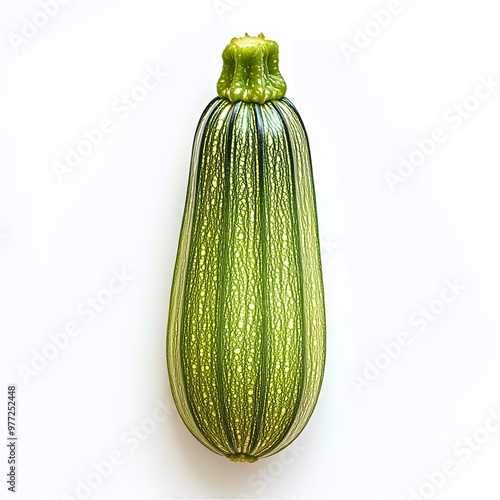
{"points": [[246, 334]]}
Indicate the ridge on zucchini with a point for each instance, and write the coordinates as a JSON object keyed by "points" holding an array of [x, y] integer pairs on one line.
{"points": [[246, 334]]}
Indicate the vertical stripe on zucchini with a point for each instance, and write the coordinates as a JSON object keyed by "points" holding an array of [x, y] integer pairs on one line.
{"points": [[246, 330]]}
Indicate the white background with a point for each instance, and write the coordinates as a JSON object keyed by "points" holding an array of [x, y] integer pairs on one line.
{"points": [[387, 252]]}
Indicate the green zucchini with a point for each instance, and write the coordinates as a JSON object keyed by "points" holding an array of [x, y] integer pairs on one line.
{"points": [[246, 334]]}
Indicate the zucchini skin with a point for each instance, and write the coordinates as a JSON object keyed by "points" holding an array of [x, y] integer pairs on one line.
{"points": [[246, 336]]}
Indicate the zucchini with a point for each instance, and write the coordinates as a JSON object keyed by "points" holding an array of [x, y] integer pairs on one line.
{"points": [[246, 334]]}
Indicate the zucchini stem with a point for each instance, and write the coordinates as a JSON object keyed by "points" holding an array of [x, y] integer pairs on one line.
{"points": [[250, 71]]}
